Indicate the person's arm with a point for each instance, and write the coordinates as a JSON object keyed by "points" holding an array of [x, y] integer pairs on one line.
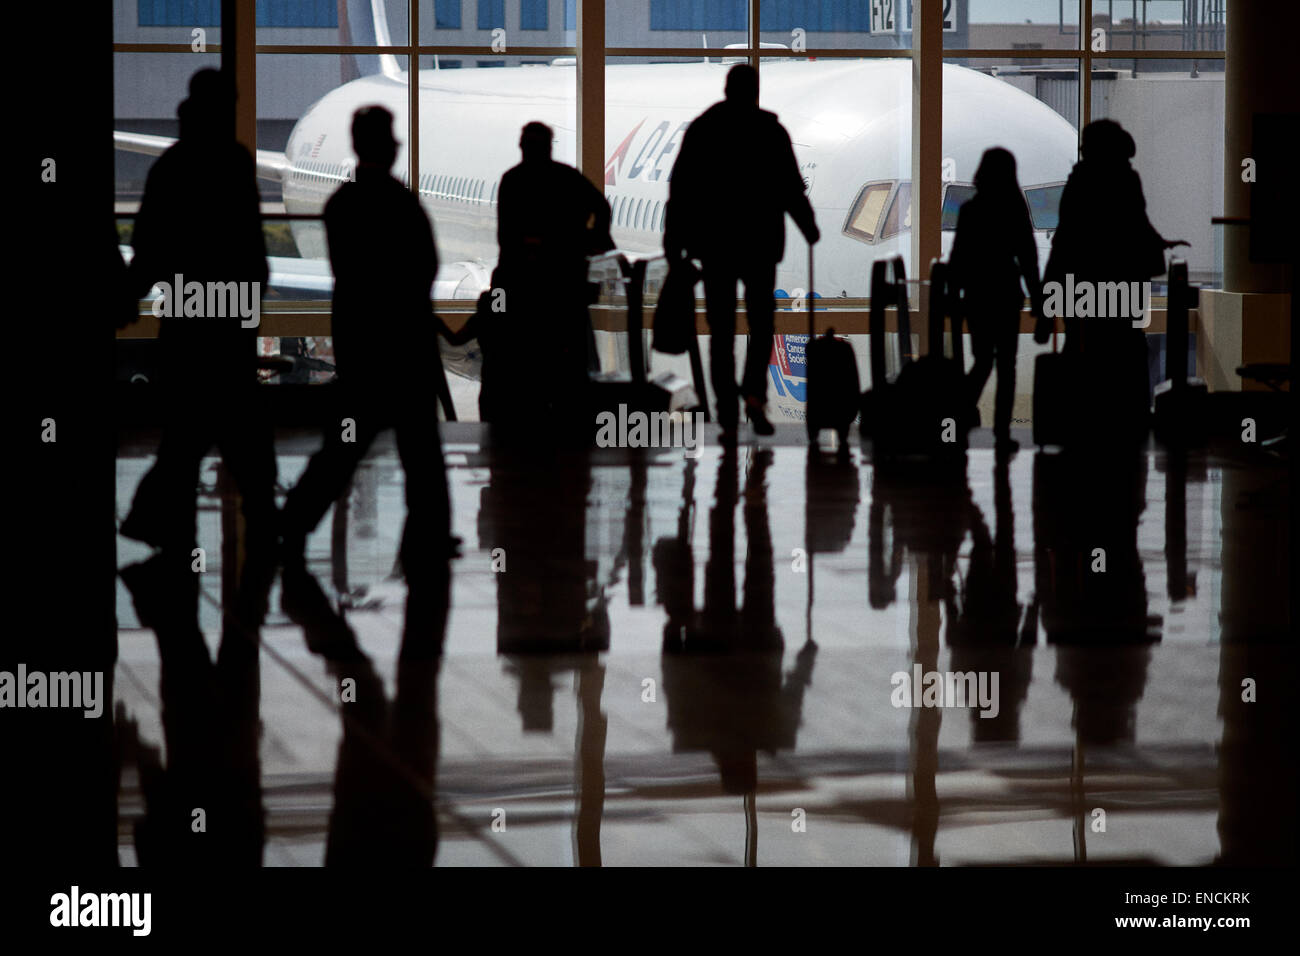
{"points": [[678, 220], [251, 215], [508, 232], [1027, 257], [958, 259], [145, 268], [791, 188], [598, 216], [426, 248]]}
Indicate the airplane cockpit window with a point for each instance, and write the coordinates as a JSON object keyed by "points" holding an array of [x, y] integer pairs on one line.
{"points": [[954, 197], [863, 222], [899, 218], [1045, 205]]}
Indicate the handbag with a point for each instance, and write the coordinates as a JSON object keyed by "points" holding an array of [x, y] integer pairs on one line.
{"points": [[674, 322]]}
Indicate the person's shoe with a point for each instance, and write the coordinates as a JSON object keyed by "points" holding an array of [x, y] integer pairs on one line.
{"points": [[1006, 447], [727, 434], [758, 418]]}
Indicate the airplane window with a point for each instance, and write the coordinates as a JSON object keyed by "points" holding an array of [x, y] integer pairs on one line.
{"points": [[658, 217], [636, 218], [954, 197], [899, 218], [1045, 205], [864, 218]]}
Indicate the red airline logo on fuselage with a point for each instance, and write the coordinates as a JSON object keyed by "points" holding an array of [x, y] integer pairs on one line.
{"points": [[650, 158]]}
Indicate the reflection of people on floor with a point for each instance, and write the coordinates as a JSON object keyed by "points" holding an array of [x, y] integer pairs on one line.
{"points": [[211, 725], [722, 666], [916, 511], [384, 783], [984, 634], [1086, 513], [532, 521]]}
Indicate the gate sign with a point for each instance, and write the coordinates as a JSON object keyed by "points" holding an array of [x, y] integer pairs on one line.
{"points": [[883, 19]]}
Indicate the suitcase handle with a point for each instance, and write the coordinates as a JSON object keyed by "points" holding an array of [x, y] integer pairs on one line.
{"points": [[812, 329]]}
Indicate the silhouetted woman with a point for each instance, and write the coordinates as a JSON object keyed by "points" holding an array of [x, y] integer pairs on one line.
{"points": [[993, 251]]}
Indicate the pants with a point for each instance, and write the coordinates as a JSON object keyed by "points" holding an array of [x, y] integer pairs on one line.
{"points": [[720, 304], [329, 472], [164, 509], [994, 339]]}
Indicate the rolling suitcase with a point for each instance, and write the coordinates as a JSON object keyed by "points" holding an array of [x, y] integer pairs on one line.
{"points": [[832, 370], [875, 400], [933, 410], [620, 392], [925, 410], [1052, 396], [1181, 402]]}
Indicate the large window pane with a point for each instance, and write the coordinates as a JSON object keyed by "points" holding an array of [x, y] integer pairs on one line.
{"points": [[160, 21], [330, 22], [1164, 24], [1174, 111], [498, 26], [831, 24], [147, 88], [708, 24], [1011, 25]]}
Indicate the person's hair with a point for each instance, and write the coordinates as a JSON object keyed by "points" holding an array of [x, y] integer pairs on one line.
{"points": [[372, 135], [1106, 140], [997, 172], [742, 84], [535, 140]]}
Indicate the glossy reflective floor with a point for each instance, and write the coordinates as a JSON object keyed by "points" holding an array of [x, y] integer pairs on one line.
{"points": [[648, 659]]}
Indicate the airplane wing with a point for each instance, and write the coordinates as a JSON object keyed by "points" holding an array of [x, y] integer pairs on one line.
{"points": [[270, 164]]}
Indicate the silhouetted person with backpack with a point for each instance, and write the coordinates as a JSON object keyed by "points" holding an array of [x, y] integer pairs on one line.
{"points": [[1104, 236], [208, 362], [734, 180], [550, 218], [384, 331], [992, 252]]}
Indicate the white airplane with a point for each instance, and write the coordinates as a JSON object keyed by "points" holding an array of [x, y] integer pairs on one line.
{"points": [[849, 120]]}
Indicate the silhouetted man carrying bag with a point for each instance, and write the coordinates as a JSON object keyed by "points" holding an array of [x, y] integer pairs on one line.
{"points": [[208, 345], [732, 184], [384, 333]]}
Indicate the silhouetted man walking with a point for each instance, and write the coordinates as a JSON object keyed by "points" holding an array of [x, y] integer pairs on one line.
{"points": [[207, 250], [384, 333], [732, 184], [549, 219]]}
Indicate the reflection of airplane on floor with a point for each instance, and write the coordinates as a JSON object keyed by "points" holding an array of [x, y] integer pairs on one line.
{"points": [[850, 121]]}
